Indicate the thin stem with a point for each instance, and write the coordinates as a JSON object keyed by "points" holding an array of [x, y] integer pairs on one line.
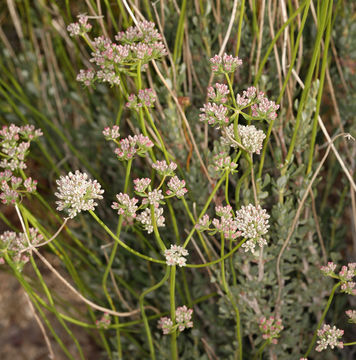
{"points": [[194, 223], [204, 209], [227, 187], [231, 89], [322, 318], [260, 350], [218, 260], [144, 317], [231, 298], [148, 258], [155, 229], [174, 350]]}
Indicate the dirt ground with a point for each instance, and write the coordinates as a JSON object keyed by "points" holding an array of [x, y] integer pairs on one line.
{"points": [[20, 335]]}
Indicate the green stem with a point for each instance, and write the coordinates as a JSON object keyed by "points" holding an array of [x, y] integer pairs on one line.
{"points": [[231, 89], [306, 89], [155, 229], [227, 187], [194, 223], [174, 350], [204, 209], [322, 318], [349, 344], [218, 260], [260, 350], [148, 258], [180, 33], [242, 12], [321, 87], [290, 68], [144, 317], [231, 298]]}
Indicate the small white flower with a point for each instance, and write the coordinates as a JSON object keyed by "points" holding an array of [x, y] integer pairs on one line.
{"points": [[176, 255], [77, 193]]}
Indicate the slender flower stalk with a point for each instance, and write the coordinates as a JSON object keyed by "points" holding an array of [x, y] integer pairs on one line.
{"points": [[232, 300], [174, 349], [322, 318]]}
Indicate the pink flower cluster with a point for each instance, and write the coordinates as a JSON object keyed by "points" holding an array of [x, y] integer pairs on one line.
{"points": [[203, 223], [104, 322], [77, 193], [87, 77], [352, 315], [79, 28], [176, 187], [227, 224], [164, 169], [329, 336], [223, 162], [247, 97], [271, 328], [214, 114], [16, 245], [144, 32], [166, 325], [15, 142], [224, 64], [346, 274], [138, 44], [218, 96], [11, 187], [145, 97], [111, 133], [264, 108], [252, 221], [141, 184], [133, 145], [183, 321], [184, 318], [126, 206], [176, 255]]}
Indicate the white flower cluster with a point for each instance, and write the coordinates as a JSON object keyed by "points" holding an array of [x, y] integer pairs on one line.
{"points": [[145, 219], [252, 222], [251, 138], [176, 255], [154, 197], [329, 336], [77, 193]]}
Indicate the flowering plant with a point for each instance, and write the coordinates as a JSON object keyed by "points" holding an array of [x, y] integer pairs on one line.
{"points": [[190, 222]]}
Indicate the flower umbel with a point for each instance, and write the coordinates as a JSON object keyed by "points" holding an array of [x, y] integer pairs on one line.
{"points": [[176, 255], [352, 315], [176, 187], [224, 64], [215, 115], [77, 193], [346, 274], [252, 221], [329, 336], [271, 328], [183, 321], [104, 322], [146, 220], [164, 169]]}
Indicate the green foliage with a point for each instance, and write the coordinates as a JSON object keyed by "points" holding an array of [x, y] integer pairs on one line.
{"points": [[39, 63]]}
